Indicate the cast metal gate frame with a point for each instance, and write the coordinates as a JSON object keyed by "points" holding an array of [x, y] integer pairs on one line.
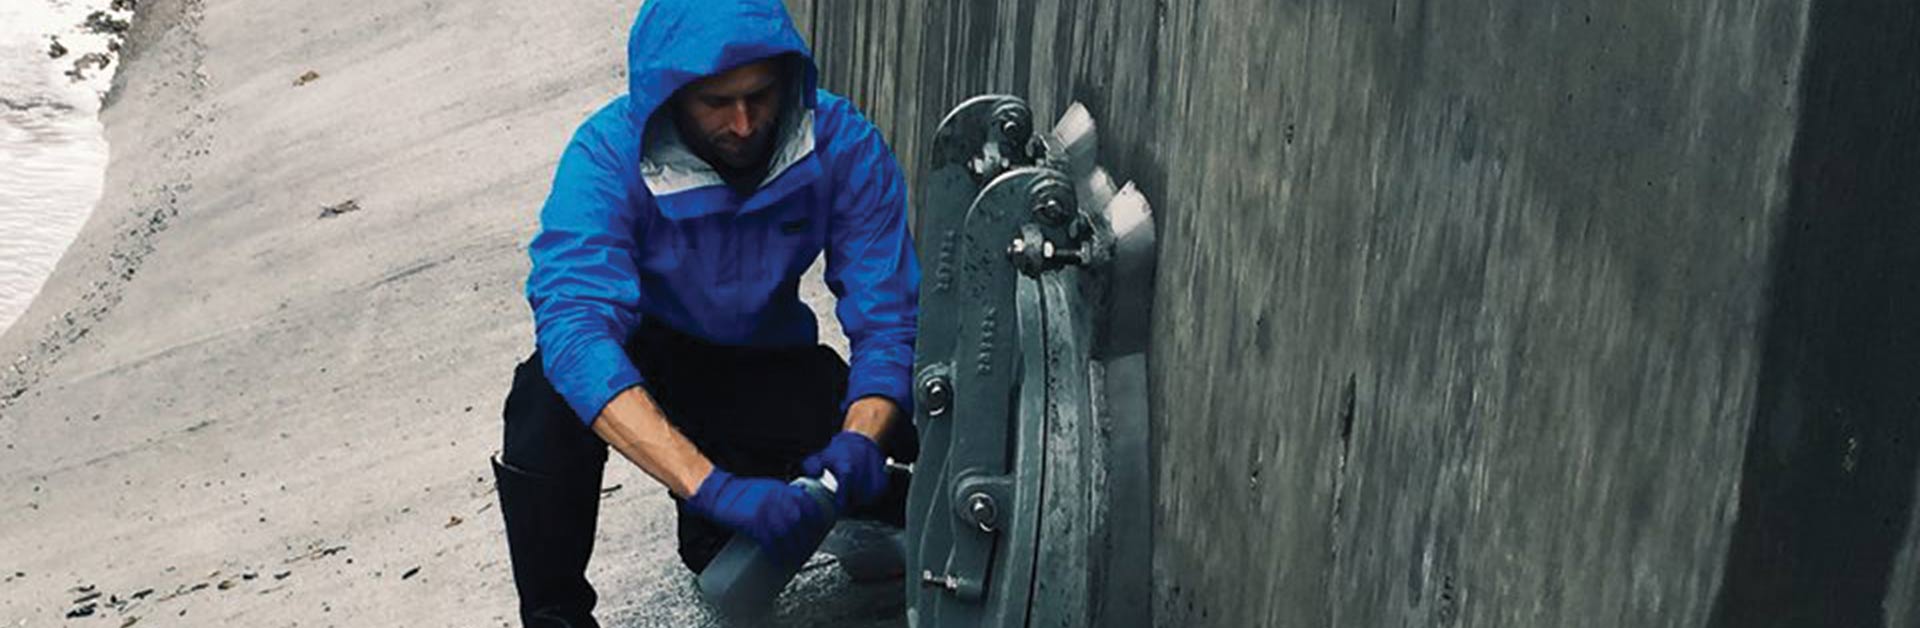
{"points": [[1030, 502]]}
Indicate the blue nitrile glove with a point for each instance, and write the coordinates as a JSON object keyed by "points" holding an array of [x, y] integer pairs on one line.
{"points": [[777, 515], [856, 462]]}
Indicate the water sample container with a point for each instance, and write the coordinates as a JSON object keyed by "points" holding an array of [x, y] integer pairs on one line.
{"points": [[743, 579]]}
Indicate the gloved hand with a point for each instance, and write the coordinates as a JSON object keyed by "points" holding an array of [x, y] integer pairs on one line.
{"points": [[781, 517], [856, 462]]}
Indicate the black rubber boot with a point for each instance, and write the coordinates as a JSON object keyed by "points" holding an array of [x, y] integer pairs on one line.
{"points": [[550, 525]]}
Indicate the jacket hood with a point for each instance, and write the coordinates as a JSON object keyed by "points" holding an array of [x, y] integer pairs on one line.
{"points": [[675, 42]]}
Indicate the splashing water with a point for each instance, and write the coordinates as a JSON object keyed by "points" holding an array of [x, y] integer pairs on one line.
{"points": [[57, 59]]}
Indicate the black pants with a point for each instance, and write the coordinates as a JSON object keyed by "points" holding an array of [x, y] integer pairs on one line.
{"points": [[751, 411]]}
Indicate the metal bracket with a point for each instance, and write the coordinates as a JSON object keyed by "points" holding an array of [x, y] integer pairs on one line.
{"points": [[1030, 503]]}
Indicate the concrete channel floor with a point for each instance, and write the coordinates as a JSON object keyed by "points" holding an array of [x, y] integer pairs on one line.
{"points": [[232, 407]]}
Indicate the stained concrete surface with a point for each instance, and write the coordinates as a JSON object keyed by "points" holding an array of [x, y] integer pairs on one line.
{"points": [[1493, 313]]}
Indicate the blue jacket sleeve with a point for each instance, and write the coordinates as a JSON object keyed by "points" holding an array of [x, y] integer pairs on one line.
{"points": [[584, 286], [871, 265]]}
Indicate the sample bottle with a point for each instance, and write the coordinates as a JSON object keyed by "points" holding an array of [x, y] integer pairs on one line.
{"points": [[743, 579]]}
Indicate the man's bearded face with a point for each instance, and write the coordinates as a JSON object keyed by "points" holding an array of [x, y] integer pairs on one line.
{"points": [[729, 117]]}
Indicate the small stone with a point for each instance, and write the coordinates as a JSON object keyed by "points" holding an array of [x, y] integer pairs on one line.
{"points": [[282, 575], [226, 584], [308, 77], [454, 521], [83, 611], [129, 621], [410, 573]]}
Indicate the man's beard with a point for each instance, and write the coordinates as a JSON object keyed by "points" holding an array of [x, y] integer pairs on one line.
{"points": [[743, 168], [748, 154]]}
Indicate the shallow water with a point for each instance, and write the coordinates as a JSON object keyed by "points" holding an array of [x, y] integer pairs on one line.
{"points": [[52, 156]]}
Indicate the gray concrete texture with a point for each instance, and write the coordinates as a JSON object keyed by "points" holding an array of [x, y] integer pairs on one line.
{"points": [[1493, 312], [232, 408]]}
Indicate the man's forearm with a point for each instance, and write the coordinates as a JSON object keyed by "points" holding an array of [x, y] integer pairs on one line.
{"points": [[871, 417], [636, 427]]}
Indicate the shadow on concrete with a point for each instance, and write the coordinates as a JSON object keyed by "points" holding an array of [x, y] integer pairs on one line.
{"points": [[1827, 491]]}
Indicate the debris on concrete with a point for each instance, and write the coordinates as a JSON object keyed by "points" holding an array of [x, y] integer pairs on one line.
{"points": [[105, 23], [350, 205], [308, 77], [88, 63]]}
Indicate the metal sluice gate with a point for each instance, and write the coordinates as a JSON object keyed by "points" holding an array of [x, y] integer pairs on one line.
{"points": [[1030, 502]]}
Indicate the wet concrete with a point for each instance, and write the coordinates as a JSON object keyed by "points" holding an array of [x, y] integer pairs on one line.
{"points": [[1493, 313]]}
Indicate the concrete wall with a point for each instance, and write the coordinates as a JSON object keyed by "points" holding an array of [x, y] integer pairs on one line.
{"points": [[1493, 312]]}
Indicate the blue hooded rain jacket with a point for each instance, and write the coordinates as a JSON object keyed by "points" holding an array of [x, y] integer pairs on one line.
{"points": [[638, 227]]}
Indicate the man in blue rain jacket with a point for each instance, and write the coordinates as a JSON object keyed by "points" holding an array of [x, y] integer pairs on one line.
{"points": [[667, 319]]}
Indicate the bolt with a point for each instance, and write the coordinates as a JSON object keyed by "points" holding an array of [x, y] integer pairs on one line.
{"points": [[938, 395], [1053, 200], [980, 506], [966, 589], [1013, 123]]}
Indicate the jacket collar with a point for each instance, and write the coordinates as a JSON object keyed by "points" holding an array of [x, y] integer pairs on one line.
{"points": [[672, 172]]}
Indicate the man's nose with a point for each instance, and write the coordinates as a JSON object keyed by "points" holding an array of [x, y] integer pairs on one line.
{"points": [[738, 121]]}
